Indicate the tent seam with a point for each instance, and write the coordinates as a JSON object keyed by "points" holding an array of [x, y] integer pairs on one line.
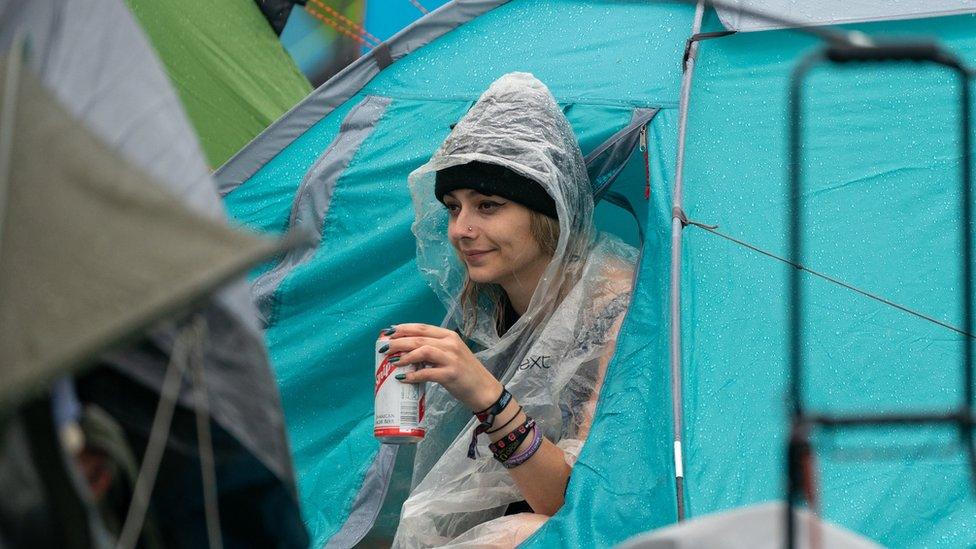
{"points": [[282, 270]]}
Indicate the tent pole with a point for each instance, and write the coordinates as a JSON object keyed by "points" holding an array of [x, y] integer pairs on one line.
{"points": [[205, 450], [676, 229]]}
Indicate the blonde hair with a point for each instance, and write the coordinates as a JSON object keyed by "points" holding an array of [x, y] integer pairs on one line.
{"points": [[545, 231]]}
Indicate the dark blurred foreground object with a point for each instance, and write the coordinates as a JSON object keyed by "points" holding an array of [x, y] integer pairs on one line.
{"points": [[277, 12], [93, 253], [78, 276]]}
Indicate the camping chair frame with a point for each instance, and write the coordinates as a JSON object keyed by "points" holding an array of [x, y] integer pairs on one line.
{"points": [[802, 420]]}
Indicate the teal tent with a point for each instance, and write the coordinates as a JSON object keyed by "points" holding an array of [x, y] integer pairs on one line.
{"points": [[696, 393]]}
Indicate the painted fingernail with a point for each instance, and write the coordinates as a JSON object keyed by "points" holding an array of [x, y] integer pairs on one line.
{"points": [[394, 359], [389, 331], [384, 348], [400, 377]]}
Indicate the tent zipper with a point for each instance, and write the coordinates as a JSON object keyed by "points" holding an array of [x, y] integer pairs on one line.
{"points": [[647, 162]]}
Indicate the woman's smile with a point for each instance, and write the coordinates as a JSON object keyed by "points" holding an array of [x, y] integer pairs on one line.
{"points": [[476, 257]]}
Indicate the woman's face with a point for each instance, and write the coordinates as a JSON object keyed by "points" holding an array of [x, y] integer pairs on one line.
{"points": [[492, 235]]}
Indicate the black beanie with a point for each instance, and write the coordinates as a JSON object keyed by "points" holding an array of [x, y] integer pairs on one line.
{"points": [[495, 180]]}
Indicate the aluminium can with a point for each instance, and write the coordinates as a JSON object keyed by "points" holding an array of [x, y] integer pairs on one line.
{"points": [[399, 407]]}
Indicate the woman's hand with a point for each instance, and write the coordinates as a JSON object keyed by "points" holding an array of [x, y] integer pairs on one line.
{"points": [[449, 362]]}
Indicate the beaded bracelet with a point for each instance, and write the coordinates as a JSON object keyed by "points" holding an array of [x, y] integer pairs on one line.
{"points": [[505, 447], [522, 457], [486, 418]]}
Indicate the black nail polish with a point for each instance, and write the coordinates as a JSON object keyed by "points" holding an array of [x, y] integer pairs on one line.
{"points": [[400, 377], [394, 360], [389, 331], [384, 348]]}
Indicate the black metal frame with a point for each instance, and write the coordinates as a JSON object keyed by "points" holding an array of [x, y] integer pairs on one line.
{"points": [[802, 422]]}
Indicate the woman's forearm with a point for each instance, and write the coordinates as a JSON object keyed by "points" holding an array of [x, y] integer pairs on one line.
{"points": [[542, 479]]}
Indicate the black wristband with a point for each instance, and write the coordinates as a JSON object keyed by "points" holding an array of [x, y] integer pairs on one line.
{"points": [[496, 408], [510, 420], [486, 420]]}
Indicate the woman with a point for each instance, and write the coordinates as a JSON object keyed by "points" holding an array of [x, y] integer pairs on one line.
{"points": [[535, 292]]}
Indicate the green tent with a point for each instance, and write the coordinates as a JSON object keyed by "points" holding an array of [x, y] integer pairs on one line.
{"points": [[233, 75]]}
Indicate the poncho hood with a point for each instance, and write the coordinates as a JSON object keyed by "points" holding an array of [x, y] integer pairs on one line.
{"points": [[516, 124]]}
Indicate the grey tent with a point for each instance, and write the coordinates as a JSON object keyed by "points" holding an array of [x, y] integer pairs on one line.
{"points": [[93, 58], [91, 252]]}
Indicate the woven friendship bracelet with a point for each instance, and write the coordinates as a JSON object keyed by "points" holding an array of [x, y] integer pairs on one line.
{"points": [[522, 457], [505, 447], [487, 419]]}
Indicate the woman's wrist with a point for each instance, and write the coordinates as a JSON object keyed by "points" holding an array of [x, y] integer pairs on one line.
{"points": [[486, 418], [486, 397]]}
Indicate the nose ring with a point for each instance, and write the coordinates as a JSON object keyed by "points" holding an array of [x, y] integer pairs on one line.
{"points": [[469, 228]]}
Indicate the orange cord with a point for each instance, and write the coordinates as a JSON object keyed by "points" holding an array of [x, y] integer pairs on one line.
{"points": [[361, 29], [336, 26]]}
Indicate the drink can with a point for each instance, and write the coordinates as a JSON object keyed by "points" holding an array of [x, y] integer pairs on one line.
{"points": [[399, 407]]}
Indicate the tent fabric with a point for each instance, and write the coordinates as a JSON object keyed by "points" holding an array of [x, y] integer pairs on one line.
{"points": [[78, 274], [93, 57], [385, 20], [79, 65], [311, 206], [368, 504], [233, 76], [756, 527], [255, 507], [344, 290], [339, 89], [91, 211], [363, 276], [76, 66], [832, 12], [881, 193]]}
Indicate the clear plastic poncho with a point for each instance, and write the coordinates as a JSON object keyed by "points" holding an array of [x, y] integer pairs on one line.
{"points": [[553, 358]]}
